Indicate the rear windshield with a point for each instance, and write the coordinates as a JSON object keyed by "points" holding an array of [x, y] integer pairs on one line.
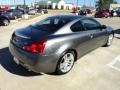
{"points": [[51, 24]]}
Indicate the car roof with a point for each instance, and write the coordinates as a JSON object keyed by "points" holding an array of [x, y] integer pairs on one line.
{"points": [[70, 17]]}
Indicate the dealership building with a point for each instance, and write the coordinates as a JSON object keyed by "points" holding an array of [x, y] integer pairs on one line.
{"points": [[114, 6], [55, 4]]}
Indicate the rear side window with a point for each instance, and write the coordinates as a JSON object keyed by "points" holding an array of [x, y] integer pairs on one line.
{"points": [[77, 27], [90, 24]]}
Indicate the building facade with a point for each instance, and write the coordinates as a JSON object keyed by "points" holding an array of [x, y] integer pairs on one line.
{"points": [[114, 6], [56, 4]]}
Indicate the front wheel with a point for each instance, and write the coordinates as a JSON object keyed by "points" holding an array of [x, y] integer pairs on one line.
{"points": [[110, 39], [5, 22], [42, 12], [15, 17], [66, 63]]}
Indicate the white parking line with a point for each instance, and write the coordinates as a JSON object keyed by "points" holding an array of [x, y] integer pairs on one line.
{"points": [[115, 61]]}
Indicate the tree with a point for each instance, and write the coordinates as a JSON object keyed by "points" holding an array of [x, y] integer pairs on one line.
{"points": [[105, 4]]}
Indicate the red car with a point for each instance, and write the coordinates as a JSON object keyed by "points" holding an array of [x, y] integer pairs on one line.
{"points": [[89, 11], [101, 14], [74, 10], [2, 9]]}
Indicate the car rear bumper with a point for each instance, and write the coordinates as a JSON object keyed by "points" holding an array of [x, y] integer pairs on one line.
{"points": [[34, 62]]}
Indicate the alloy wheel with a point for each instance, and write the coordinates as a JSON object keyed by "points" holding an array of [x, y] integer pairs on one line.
{"points": [[66, 62], [110, 39], [6, 22]]}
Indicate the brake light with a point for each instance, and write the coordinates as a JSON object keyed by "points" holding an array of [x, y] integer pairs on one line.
{"points": [[36, 47]]}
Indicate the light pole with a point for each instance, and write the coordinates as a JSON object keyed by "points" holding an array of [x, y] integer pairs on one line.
{"points": [[77, 3], [34, 4], [76, 9], [94, 3], [24, 3]]}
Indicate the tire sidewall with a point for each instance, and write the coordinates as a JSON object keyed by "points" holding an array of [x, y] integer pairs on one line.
{"points": [[15, 17], [4, 22], [111, 41], [58, 70]]}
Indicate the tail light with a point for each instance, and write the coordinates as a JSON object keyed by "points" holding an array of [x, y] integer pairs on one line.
{"points": [[36, 47]]}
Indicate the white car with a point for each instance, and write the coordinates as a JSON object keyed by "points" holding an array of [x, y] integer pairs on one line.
{"points": [[115, 14], [32, 12]]}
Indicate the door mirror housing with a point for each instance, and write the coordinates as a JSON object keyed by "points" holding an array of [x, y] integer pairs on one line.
{"points": [[103, 27]]}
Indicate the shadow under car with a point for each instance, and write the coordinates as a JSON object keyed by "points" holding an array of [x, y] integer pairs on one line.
{"points": [[6, 61]]}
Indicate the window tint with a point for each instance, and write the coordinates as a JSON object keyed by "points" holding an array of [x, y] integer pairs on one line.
{"points": [[90, 24], [77, 27], [51, 24]]}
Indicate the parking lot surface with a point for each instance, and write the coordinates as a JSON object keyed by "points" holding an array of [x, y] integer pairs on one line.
{"points": [[98, 70]]}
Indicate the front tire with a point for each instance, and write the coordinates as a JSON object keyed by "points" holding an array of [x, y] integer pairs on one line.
{"points": [[110, 39], [5, 22], [65, 63], [15, 17], [42, 12]]}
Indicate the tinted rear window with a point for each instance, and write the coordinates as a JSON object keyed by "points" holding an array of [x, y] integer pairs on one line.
{"points": [[51, 24]]}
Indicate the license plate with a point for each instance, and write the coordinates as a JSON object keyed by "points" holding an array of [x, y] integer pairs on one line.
{"points": [[16, 60]]}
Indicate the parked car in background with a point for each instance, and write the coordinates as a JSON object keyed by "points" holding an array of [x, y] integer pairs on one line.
{"points": [[4, 20], [3, 9], [42, 11], [13, 13], [101, 14], [82, 13], [88, 11], [26, 10], [32, 11], [113, 13], [74, 10], [118, 13], [55, 43]]}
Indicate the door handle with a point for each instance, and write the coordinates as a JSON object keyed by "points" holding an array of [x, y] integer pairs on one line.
{"points": [[91, 35]]}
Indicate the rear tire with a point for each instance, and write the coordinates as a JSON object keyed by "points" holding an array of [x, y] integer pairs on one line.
{"points": [[95, 16], [65, 63]]}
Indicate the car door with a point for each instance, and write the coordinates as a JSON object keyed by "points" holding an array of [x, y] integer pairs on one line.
{"points": [[96, 33], [82, 39]]}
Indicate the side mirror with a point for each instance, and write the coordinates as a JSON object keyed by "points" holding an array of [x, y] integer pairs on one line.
{"points": [[103, 27]]}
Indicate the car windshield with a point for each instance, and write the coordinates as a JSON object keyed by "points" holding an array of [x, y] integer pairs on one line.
{"points": [[51, 24]]}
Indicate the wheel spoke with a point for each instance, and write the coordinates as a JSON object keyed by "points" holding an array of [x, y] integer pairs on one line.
{"points": [[67, 62], [110, 39]]}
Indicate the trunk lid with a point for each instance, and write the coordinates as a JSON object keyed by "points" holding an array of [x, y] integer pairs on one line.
{"points": [[27, 35]]}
